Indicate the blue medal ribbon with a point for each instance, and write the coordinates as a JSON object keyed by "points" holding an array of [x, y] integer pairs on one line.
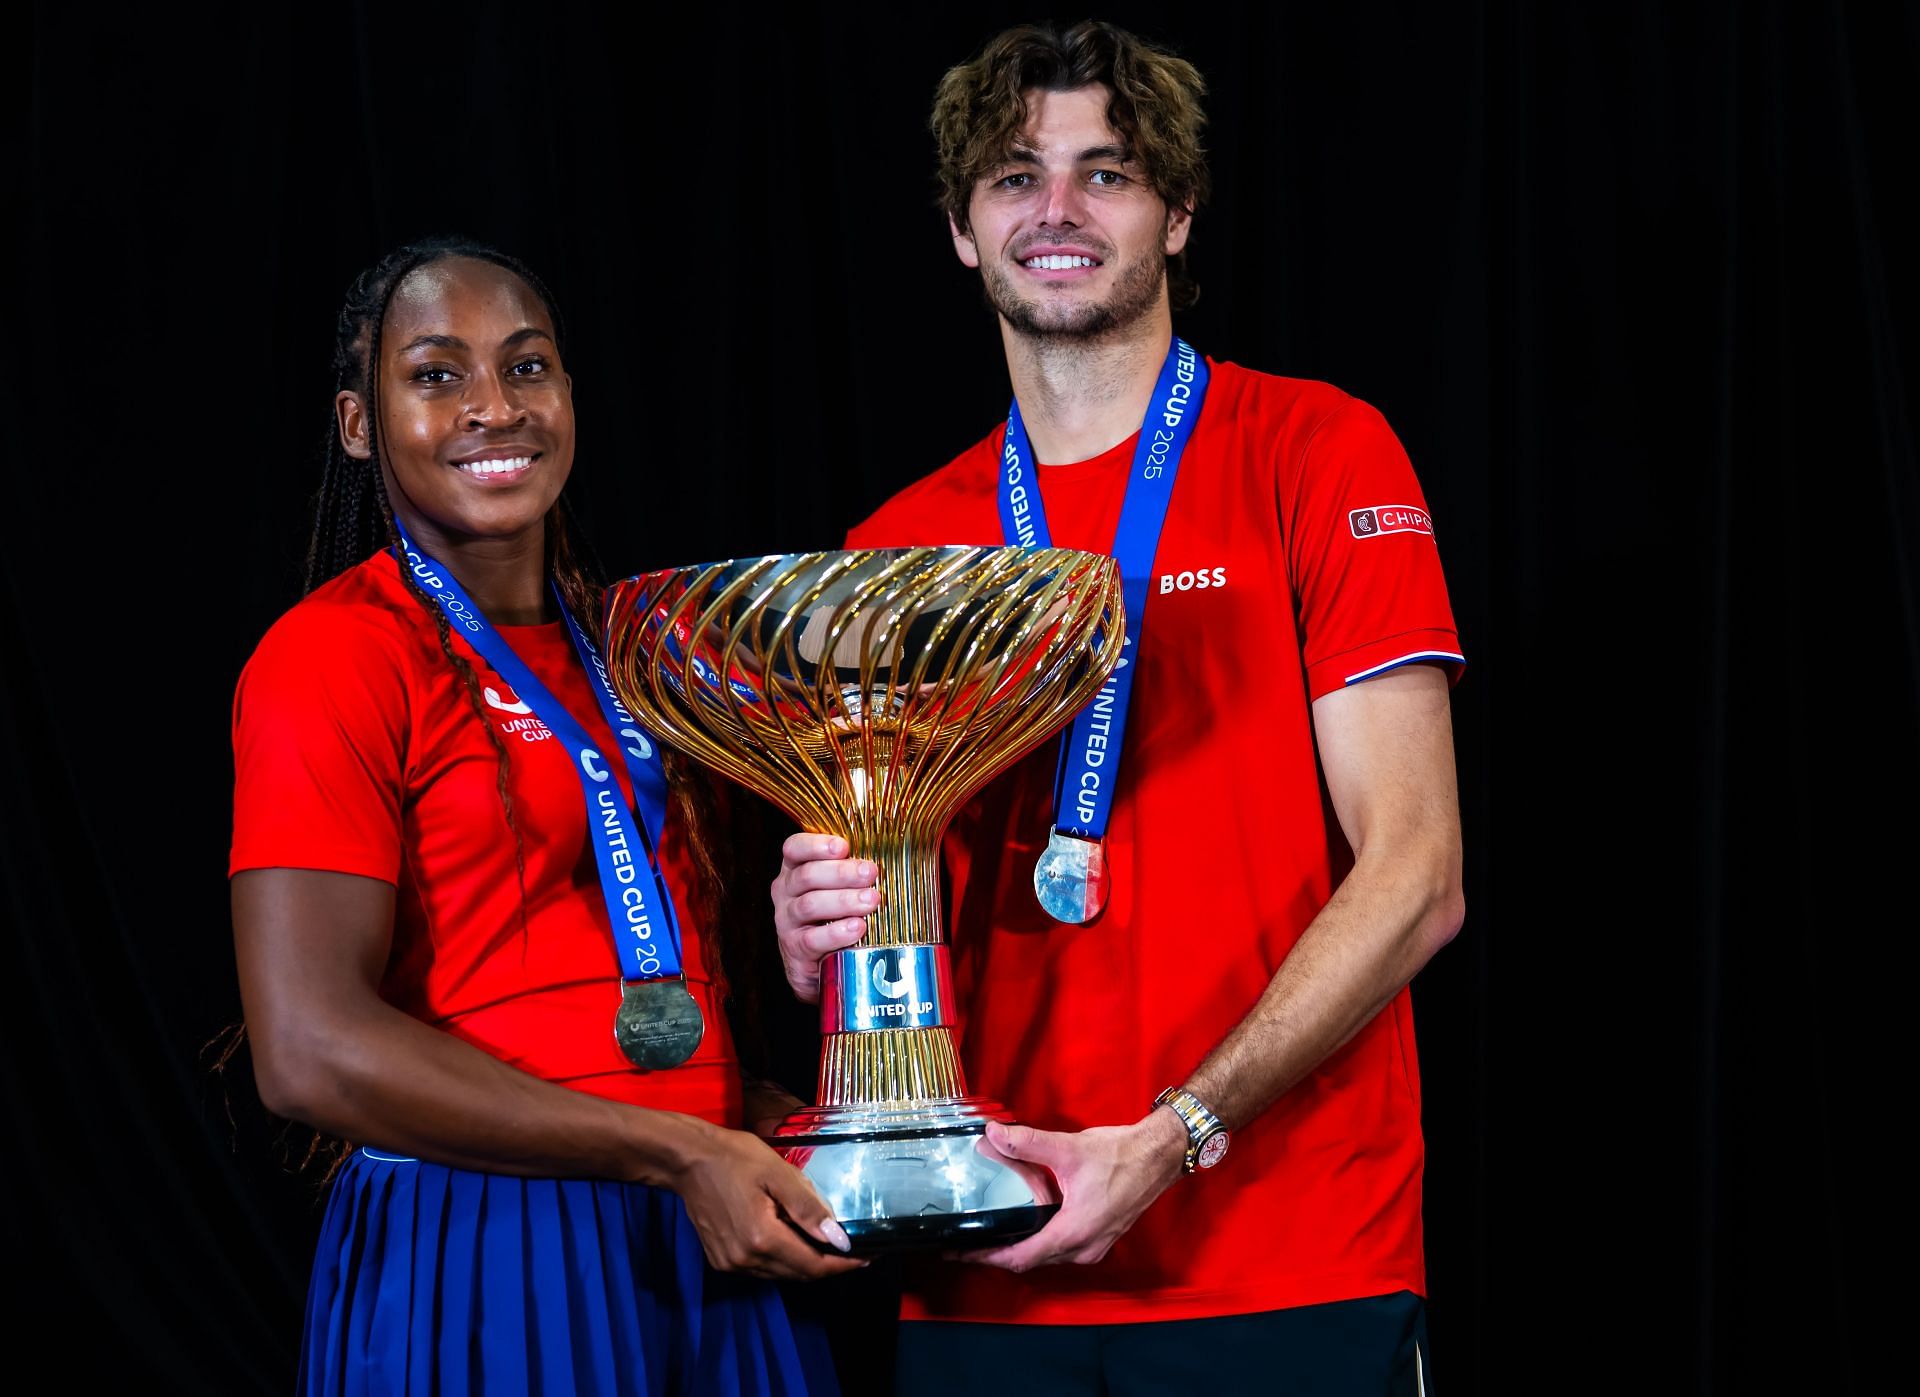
{"points": [[1090, 750], [646, 930]]}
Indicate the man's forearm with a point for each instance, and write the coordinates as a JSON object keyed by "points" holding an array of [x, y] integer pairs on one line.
{"points": [[1385, 921], [1382, 924]]}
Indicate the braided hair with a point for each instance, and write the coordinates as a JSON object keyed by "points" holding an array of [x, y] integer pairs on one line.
{"points": [[353, 519]]}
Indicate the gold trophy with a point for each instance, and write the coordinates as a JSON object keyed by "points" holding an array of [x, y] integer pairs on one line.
{"points": [[868, 694]]}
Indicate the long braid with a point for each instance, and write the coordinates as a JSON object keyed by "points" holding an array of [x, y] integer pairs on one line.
{"points": [[503, 767]]}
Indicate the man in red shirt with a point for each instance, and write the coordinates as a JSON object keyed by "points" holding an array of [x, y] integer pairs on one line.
{"points": [[1279, 818]]}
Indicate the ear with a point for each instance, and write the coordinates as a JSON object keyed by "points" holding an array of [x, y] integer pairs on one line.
{"points": [[1179, 224], [964, 246], [350, 416]]}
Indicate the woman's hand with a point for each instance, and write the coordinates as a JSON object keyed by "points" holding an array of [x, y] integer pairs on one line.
{"points": [[820, 904], [756, 1213]]}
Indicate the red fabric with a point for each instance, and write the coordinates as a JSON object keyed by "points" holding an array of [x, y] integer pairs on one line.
{"points": [[1223, 849], [356, 750]]}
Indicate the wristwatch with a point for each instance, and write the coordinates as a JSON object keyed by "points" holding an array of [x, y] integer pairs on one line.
{"points": [[1207, 1139]]}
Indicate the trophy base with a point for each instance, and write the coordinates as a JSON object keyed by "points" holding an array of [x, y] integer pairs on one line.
{"points": [[917, 1176]]}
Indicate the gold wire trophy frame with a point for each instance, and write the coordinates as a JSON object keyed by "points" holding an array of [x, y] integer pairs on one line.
{"points": [[868, 694]]}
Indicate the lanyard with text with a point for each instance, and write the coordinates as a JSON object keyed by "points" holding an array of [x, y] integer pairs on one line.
{"points": [[1071, 877], [659, 1023]]}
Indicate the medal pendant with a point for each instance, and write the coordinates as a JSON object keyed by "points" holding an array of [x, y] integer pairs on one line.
{"points": [[659, 1024], [1071, 878]]}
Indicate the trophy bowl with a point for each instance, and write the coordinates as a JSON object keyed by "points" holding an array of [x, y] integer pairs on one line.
{"points": [[868, 694]]}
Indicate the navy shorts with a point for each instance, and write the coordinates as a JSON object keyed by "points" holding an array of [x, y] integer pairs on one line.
{"points": [[1375, 1347]]}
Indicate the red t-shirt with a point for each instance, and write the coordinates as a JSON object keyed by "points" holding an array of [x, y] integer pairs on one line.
{"points": [[356, 750], [1297, 557]]}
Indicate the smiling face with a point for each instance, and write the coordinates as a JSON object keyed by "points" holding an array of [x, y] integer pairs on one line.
{"points": [[1070, 239], [475, 410]]}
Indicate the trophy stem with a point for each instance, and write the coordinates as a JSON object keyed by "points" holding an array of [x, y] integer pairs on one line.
{"points": [[881, 1064], [909, 913]]}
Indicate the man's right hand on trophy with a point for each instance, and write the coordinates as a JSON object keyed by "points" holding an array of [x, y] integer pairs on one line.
{"points": [[820, 904]]}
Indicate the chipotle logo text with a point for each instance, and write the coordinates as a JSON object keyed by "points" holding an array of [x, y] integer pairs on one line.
{"points": [[1389, 519]]}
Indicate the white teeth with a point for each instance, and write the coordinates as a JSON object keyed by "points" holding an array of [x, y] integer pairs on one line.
{"points": [[514, 463], [1054, 262]]}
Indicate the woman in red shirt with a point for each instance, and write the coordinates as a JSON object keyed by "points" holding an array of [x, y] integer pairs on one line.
{"points": [[426, 891]]}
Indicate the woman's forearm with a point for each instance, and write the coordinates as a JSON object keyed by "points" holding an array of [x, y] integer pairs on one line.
{"points": [[377, 1076], [311, 947]]}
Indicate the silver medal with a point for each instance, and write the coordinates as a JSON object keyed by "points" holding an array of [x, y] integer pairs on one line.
{"points": [[659, 1024], [1071, 878]]}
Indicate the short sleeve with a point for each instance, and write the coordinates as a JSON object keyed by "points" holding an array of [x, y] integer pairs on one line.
{"points": [[320, 748], [1361, 555]]}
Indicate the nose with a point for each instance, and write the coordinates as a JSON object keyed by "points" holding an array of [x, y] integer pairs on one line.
{"points": [[492, 403], [1065, 204]]}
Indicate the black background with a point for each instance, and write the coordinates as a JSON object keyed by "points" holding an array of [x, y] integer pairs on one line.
{"points": [[1633, 282]]}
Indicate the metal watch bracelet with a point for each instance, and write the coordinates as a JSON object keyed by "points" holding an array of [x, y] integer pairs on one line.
{"points": [[1207, 1138]]}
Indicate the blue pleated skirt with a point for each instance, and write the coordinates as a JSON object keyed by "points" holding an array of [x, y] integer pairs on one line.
{"points": [[437, 1280]]}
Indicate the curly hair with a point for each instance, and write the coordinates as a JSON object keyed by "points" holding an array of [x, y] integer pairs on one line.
{"points": [[981, 106]]}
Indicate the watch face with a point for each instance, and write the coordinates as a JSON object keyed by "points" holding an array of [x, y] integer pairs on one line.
{"points": [[1213, 1151]]}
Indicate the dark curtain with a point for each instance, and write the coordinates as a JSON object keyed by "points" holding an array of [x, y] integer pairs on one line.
{"points": [[1634, 282]]}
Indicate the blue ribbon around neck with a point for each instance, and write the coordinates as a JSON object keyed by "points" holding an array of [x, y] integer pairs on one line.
{"points": [[1090, 751], [646, 930]]}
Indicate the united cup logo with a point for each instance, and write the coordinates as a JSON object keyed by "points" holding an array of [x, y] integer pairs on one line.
{"points": [[887, 977]]}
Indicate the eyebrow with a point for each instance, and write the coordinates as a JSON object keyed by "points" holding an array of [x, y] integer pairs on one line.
{"points": [[1027, 155], [520, 336], [434, 342]]}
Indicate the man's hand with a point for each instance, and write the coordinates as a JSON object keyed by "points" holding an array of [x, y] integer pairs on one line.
{"points": [[1108, 1176], [820, 904]]}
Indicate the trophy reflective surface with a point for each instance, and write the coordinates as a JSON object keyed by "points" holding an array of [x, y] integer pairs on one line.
{"points": [[869, 694]]}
